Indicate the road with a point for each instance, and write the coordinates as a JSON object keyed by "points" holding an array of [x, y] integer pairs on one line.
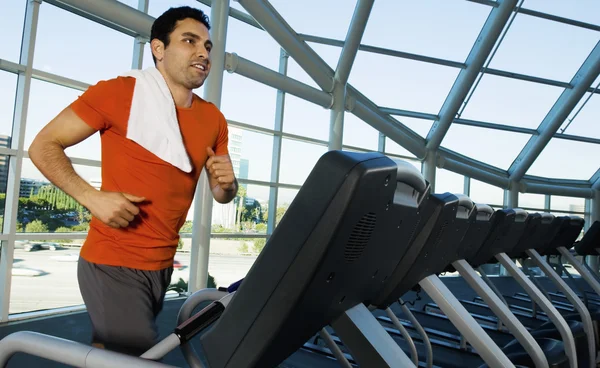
{"points": [[47, 279]]}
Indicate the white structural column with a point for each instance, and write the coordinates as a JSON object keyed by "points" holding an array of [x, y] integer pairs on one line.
{"points": [[16, 162], [201, 229], [342, 72], [139, 42], [429, 168], [277, 141]]}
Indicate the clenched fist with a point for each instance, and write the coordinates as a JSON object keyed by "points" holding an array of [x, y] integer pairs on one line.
{"points": [[220, 170], [113, 208]]}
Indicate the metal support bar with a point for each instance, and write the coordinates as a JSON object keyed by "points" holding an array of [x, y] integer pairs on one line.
{"points": [[588, 325], [483, 46], [585, 272], [429, 168], [237, 64], [465, 323], [335, 349], [567, 101], [336, 124], [473, 172], [112, 14], [417, 326], [537, 296], [67, 352], [411, 344], [276, 26], [202, 224], [387, 126], [15, 163], [369, 343], [501, 310], [562, 190], [277, 143], [353, 38], [513, 195]]}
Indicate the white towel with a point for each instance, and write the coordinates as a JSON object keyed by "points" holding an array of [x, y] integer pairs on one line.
{"points": [[153, 120]]}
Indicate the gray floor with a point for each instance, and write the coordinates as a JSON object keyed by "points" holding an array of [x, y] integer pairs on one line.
{"points": [[77, 327]]}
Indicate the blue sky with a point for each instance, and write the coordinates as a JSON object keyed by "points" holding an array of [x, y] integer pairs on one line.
{"points": [[80, 49]]}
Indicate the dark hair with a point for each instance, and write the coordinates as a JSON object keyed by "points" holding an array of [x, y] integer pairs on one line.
{"points": [[164, 25]]}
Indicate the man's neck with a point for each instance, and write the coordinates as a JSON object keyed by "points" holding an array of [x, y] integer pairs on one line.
{"points": [[181, 96]]}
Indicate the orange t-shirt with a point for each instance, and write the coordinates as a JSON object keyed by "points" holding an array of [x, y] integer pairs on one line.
{"points": [[150, 242]]}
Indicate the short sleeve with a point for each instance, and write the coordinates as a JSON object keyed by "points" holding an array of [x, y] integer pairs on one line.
{"points": [[103, 104], [223, 137]]}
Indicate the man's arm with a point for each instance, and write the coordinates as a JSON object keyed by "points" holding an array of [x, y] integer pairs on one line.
{"points": [[47, 152], [221, 178]]}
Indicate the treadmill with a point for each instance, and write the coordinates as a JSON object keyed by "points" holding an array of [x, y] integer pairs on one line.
{"points": [[330, 254]]}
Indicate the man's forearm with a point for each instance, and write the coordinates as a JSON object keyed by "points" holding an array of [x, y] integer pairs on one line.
{"points": [[53, 163]]}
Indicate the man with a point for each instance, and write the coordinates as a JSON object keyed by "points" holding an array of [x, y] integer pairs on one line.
{"points": [[126, 262]]}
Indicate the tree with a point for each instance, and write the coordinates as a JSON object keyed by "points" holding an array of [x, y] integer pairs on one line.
{"points": [[36, 226]]}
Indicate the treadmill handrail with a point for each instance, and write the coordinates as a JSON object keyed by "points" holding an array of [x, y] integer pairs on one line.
{"points": [[67, 352]]}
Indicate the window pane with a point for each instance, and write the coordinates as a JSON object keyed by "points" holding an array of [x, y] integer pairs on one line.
{"points": [[448, 181], [55, 270], [538, 40], [582, 10], [527, 102], [321, 22], [248, 216], [391, 147], [357, 133], [485, 193], [297, 160], [250, 154], [570, 204], [475, 142], [576, 160], [45, 102], [394, 24], [304, 118], [12, 18], [586, 122], [4, 164], [413, 85], [529, 200], [419, 126], [8, 90], [248, 101], [285, 197], [88, 62], [45, 208]]}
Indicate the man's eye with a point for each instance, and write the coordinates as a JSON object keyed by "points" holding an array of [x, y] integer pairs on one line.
{"points": [[189, 40]]}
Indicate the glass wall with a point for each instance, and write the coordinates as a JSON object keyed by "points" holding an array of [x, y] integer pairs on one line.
{"points": [[271, 165]]}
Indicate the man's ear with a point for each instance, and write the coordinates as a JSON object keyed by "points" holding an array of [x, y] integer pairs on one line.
{"points": [[158, 49]]}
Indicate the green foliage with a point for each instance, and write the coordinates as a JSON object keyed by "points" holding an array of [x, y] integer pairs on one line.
{"points": [[243, 248], [36, 226], [62, 229], [259, 244], [187, 227], [180, 244]]}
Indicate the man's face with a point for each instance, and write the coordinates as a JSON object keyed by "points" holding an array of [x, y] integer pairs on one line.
{"points": [[186, 60]]}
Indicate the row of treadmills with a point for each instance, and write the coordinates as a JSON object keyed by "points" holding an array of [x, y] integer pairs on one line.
{"points": [[362, 233]]}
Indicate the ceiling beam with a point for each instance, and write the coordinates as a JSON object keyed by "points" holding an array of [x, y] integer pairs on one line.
{"points": [[482, 48]]}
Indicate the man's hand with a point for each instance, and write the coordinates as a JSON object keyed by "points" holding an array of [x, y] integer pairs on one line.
{"points": [[221, 177], [113, 208]]}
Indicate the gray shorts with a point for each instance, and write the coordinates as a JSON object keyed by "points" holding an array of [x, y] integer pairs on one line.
{"points": [[123, 304]]}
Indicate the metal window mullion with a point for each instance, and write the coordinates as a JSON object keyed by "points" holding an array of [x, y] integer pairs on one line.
{"points": [[139, 42], [16, 161], [277, 143]]}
